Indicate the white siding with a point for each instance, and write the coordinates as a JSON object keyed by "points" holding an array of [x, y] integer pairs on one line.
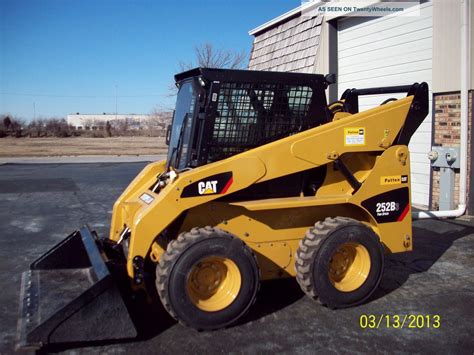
{"points": [[447, 45], [386, 51]]}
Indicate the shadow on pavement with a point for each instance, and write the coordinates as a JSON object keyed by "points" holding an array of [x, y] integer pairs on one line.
{"points": [[273, 296], [151, 319], [431, 239]]}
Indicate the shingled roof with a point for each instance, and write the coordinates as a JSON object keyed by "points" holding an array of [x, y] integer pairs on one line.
{"points": [[291, 45]]}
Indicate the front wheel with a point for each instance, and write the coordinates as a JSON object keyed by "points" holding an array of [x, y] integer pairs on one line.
{"points": [[207, 278], [339, 262]]}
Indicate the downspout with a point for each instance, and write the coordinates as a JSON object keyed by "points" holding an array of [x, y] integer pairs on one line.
{"points": [[465, 78]]}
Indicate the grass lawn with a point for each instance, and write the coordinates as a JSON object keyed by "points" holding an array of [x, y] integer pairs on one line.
{"points": [[73, 146]]}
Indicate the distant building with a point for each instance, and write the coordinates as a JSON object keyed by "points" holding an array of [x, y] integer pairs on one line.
{"points": [[131, 121]]}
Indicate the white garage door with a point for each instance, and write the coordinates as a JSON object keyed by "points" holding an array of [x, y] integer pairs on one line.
{"points": [[386, 51]]}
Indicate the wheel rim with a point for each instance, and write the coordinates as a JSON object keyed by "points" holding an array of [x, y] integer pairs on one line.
{"points": [[213, 283], [349, 267]]}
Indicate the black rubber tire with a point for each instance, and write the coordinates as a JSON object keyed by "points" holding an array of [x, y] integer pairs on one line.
{"points": [[176, 263], [314, 254]]}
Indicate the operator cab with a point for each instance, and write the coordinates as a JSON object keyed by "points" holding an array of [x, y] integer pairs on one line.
{"points": [[222, 112]]}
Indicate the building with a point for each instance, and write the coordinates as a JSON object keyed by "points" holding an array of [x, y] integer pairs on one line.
{"points": [[131, 121], [384, 51]]}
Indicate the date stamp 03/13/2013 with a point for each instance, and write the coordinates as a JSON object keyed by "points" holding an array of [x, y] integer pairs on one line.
{"points": [[400, 321]]}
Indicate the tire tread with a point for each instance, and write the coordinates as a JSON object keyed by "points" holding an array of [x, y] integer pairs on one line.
{"points": [[175, 249], [309, 247]]}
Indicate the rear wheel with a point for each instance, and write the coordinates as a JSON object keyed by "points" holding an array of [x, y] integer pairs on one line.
{"points": [[340, 262], [207, 278]]}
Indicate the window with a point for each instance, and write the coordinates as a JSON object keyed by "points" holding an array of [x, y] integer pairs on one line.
{"points": [[182, 123], [249, 115]]}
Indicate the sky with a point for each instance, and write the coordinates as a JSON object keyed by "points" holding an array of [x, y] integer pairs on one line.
{"points": [[65, 56]]}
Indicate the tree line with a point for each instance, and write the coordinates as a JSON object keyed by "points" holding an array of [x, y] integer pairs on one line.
{"points": [[58, 127]]}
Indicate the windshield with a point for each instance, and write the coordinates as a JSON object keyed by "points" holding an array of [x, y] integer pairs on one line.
{"points": [[182, 123]]}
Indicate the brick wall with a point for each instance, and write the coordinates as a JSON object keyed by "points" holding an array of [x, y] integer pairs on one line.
{"points": [[446, 133]]}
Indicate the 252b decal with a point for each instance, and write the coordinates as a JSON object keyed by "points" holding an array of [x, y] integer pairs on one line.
{"points": [[390, 206], [384, 208]]}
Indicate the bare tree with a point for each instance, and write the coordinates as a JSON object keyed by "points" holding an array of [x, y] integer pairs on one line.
{"points": [[11, 126], [16, 126], [158, 119], [36, 128], [208, 56], [57, 127], [108, 129], [7, 122]]}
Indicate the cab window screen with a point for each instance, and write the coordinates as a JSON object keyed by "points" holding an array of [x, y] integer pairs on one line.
{"points": [[250, 115]]}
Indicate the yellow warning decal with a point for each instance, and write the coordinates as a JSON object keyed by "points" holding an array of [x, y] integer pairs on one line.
{"points": [[393, 179], [354, 136]]}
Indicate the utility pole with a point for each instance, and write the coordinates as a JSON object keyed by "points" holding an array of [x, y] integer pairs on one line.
{"points": [[34, 110]]}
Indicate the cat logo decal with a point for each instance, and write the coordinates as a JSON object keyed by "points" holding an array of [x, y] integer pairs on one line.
{"points": [[212, 185]]}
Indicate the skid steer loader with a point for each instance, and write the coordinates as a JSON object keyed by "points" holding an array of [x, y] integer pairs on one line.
{"points": [[262, 180]]}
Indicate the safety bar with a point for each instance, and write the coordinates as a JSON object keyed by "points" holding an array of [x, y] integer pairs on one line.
{"points": [[382, 90], [351, 96]]}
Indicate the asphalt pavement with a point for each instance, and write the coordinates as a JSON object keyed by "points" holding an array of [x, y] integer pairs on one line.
{"points": [[40, 204]]}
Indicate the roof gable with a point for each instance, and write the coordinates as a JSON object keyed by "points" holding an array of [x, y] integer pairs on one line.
{"points": [[289, 46]]}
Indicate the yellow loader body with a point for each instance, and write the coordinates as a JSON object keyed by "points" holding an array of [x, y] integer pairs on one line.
{"points": [[263, 180], [274, 227]]}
